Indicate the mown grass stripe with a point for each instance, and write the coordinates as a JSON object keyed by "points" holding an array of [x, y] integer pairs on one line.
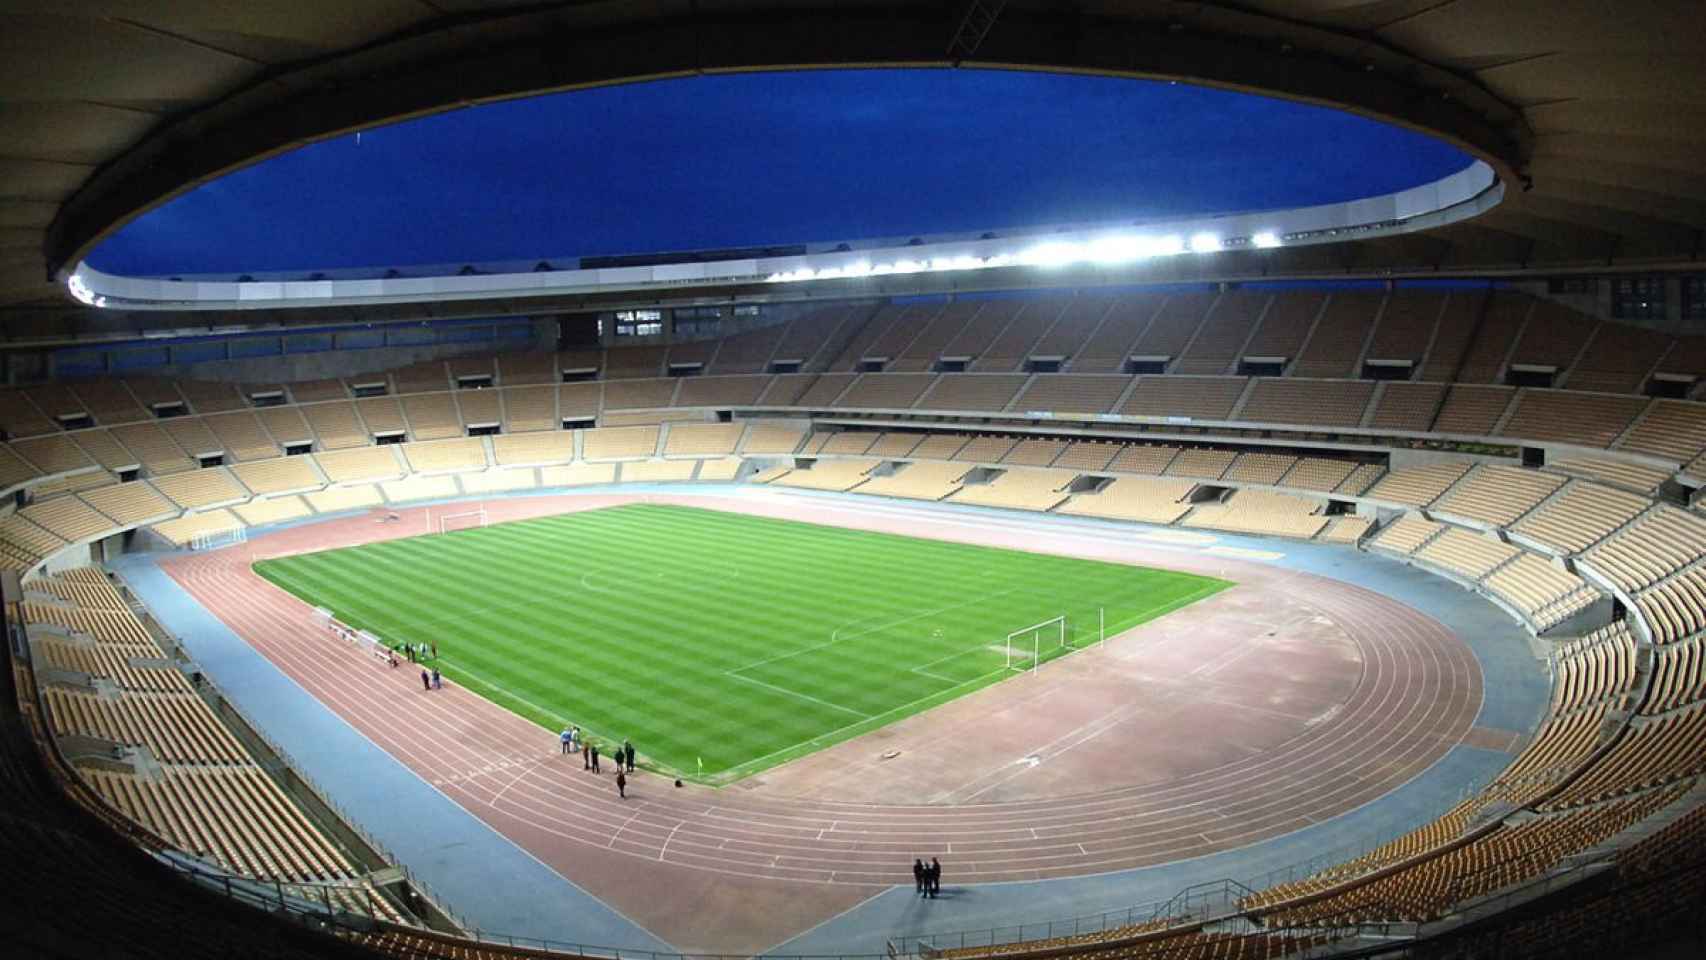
{"points": [[743, 640]]}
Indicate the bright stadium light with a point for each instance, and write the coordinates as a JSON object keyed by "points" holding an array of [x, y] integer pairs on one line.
{"points": [[1116, 249], [1166, 246], [1054, 254], [1266, 239], [1205, 242], [80, 290]]}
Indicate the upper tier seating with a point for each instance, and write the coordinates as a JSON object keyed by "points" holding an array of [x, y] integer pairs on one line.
{"points": [[153, 448], [1407, 406], [1335, 403], [1584, 419], [359, 465], [1474, 411], [285, 424], [531, 449], [336, 425], [972, 392], [130, 504], [1286, 324], [520, 369], [887, 390], [703, 439], [638, 394], [619, 443], [720, 391], [279, 475], [197, 489], [1012, 346], [1200, 398], [1618, 359], [1215, 347], [242, 436], [444, 456], [1067, 393], [1128, 317], [530, 408], [431, 416], [477, 408], [1337, 341]]}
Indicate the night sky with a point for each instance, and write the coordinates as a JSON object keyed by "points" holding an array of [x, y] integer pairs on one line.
{"points": [[754, 159]]}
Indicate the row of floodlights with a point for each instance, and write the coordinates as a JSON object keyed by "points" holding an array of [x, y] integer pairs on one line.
{"points": [[1105, 251]]}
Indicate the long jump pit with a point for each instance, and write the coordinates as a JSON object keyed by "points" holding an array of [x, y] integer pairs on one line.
{"points": [[1278, 703]]}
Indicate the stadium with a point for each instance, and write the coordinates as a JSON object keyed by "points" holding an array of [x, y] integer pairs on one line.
{"points": [[1085, 480]]}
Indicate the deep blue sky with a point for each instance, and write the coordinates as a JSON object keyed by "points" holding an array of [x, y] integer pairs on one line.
{"points": [[752, 159]]}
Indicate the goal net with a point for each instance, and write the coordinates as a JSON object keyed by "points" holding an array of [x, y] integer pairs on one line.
{"points": [[215, 539], [466, 520], [1029, 646]]}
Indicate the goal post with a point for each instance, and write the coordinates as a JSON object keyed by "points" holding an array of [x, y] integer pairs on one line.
{"points": [[466, 520], [1025, 646], [214, 539]]}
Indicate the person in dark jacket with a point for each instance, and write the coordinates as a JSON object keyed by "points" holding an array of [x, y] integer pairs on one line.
{"points": [[628, 754], [621, 783], [918, 875], [594, 749], [935, 871], [426, 681]]}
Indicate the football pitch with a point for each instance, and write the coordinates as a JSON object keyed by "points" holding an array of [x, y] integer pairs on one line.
{"points": [[720, 639]]}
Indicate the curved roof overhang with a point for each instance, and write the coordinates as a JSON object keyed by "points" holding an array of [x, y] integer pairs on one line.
{"points": [[463, 61], [1113, 253], [115, 115]]}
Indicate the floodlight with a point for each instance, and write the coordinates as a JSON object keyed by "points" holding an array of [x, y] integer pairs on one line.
{"points": [[80, 290], [1265, 239], [1205, 242], [1116, 249], [1052, 254]]}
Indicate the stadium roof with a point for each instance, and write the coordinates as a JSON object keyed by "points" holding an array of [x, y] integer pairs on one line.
{"points": [[108, 109]]}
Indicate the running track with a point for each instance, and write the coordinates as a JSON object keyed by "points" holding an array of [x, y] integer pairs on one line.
{"points": [[1418, 695]]}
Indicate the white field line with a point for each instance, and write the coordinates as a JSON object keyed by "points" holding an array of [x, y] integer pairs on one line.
{"points": [[835, 636], [802, 696]]}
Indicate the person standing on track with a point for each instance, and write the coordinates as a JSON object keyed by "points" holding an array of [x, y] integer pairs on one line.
{"points": [[628, 754], [437, 681], [586, 756], [594, 749], [566, 739], [935, 872], [621, 784], [918, 875], [426, 682]]}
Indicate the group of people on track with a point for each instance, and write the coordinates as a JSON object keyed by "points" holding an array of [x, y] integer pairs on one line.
{"points": [[572, 742]]}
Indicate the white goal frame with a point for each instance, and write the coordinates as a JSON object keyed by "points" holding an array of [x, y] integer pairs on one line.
{"points": [[215, 539], [1035, 633], [445, 518]]}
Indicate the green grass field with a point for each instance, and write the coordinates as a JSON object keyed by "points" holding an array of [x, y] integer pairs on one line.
{"points": [[742, 641]]}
